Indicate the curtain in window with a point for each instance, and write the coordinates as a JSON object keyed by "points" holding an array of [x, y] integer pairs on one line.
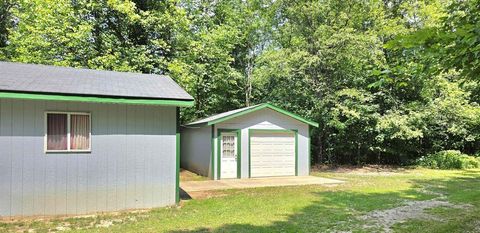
{"points": [[79, 132], [56, 131]]}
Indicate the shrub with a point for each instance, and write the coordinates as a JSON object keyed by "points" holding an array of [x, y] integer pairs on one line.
{"points": [[449, 159]]}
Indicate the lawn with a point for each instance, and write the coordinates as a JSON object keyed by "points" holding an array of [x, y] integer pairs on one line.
{"points": [[439, 201]]}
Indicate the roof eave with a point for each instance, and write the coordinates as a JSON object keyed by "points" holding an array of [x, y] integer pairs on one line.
{"points": [[96, 99], [262, 106], [293, 115], [197, 125]]}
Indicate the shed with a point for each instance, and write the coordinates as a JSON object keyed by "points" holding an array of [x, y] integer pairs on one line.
{"points": [[80, 141], [257, 141]]}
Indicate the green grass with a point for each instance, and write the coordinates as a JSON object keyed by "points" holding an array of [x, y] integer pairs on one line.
{"points": [[304, 208]]}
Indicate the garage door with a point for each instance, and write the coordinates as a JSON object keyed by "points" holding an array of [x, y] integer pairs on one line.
{"points": [[272, 153]]}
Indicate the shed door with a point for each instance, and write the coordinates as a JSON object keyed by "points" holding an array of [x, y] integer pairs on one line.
{"points": [[228, 149], [272, 153]]}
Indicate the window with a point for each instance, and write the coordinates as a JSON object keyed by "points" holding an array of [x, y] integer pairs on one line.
{"points": [[67, 132]]}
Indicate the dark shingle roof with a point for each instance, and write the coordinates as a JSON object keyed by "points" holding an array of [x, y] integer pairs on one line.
{"points": [[18, 77]]}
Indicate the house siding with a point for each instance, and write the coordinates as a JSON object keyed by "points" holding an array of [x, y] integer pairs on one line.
{"points": [[196, 150], [132, 164]]}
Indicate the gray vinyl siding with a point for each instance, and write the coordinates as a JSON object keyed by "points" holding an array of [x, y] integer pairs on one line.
{"points": [[268, 119], [131, 165], [196, 150]]}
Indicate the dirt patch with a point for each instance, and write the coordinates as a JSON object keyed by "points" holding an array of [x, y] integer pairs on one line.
{"points": [[476, 226], [364, 169], [206, 194], [186, 175], [385, 219], [61, 224]]}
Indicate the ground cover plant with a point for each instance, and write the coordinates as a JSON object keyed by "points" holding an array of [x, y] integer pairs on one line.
{"points": [[450, 159]]}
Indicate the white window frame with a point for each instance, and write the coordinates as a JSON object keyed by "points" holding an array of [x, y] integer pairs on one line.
{"points": [[68, 150]]}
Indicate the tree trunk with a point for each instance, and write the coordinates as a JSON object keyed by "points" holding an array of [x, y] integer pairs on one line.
{"points": [[320, 155], [248, 92]]}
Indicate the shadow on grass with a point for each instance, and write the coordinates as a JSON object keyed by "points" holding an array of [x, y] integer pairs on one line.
{"points": [[335, 211]]}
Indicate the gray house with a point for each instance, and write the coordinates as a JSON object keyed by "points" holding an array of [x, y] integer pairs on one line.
{"points": [[78, 141], [256, 141]]}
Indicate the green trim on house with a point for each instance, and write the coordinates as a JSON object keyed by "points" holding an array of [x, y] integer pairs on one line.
{"points": [[239, 154], [249, 155], [212, 159], [295, 131], [296, 151], [262, 106], [94, 99], [219, 166], [177, 183], [239, 151], [309, 152]]}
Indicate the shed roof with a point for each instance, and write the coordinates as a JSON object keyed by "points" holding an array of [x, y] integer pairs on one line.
{"points": [[242, 111], [19, 80]]}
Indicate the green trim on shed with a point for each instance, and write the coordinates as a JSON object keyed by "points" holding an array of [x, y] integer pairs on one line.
{"points": [[239, 151], [249, 155], [253, 109], [96, 99], [177, 181], [262, 106], [212, 158], [296, 151], [309, 151], [239, 154], [295, 131]]}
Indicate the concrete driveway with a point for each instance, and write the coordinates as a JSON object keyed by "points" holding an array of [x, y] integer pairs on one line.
{"points": [[199, 186]]}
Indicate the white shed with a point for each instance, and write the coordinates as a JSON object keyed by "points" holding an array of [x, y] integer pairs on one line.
{"points": [[256, 141]]}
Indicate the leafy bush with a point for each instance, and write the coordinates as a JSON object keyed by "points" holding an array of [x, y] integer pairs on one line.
{"points": [[449, 159]]}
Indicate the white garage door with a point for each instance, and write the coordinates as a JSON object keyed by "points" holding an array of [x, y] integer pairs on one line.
{"points": [[272, 153]]}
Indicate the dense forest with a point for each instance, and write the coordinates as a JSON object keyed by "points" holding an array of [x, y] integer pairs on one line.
{"points": [[388, 81]]}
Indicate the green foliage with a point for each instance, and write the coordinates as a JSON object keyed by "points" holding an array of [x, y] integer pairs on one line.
{"points": [[452, 44], [118, 35], [350, 110], [220, 49], [47, 33], [449, 159], [459, 38], [6, 21], [444, 120]]}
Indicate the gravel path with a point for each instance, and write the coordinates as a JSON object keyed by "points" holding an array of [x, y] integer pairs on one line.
{"points": [[385, 219]]}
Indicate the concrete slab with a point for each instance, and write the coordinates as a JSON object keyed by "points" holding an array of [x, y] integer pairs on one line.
{"points": [[199, 186]]}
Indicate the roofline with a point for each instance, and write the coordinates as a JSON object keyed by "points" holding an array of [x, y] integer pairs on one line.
{"points": [[96, 99], [259, 107], [86, 69], [93, 95]]}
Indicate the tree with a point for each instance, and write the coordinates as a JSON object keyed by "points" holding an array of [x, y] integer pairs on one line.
{"points": [[320, 50], [6, 21], [118, 35], [47, 33], [217, 65]]}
